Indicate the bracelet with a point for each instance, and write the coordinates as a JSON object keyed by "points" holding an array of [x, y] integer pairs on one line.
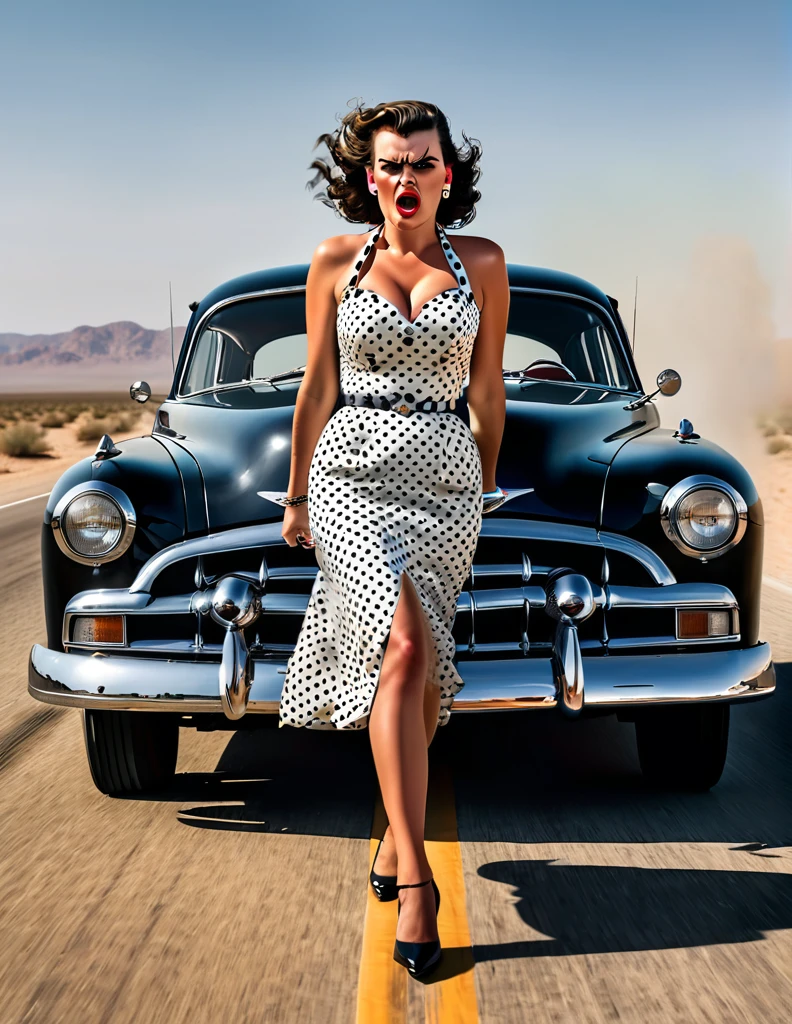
{"points": [[491, 494], [297, 499]]}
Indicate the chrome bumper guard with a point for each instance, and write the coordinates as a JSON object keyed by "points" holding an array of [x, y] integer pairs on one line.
{"points": [[100, 680]]}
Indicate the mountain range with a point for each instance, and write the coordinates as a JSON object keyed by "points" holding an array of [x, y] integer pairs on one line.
{"points": [[109, 356], [123, 340]]}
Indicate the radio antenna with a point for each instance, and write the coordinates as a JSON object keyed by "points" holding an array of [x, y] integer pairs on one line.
{"points": [[173, 355], [635, 312]]}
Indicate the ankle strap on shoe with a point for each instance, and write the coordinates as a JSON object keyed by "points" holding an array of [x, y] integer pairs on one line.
{"points": [[414, 885]]}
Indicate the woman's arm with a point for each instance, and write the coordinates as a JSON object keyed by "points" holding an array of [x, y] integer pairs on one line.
{"points": [[319, 388], [486, 393]]}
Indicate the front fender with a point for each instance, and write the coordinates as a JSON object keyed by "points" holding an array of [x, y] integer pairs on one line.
{"points": [[631, 509], [149, 477]]}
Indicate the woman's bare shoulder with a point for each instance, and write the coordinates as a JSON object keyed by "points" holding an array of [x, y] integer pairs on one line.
{"points": [[478, 251], [336, 251]]}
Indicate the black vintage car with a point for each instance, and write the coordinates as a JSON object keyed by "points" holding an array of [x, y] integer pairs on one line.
{"points": [[622, 576]]}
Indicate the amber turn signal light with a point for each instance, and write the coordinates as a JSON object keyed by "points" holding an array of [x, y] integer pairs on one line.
{"points": [[699, 624], [98, 629]]}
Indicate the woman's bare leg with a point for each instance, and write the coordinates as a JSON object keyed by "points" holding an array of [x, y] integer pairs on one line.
{"points": [[387, 861], [397, 730]]}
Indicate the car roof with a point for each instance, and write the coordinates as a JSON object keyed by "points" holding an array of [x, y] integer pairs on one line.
{"points": [[520, 276]]}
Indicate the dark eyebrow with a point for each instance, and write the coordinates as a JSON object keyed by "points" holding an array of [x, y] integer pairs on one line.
{"points": [[382, 160]]}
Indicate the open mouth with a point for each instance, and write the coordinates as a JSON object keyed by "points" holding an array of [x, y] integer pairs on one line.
{"points": [[408, 203]]}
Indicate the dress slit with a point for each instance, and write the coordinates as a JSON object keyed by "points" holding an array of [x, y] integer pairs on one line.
{"points": [[431, 679]]}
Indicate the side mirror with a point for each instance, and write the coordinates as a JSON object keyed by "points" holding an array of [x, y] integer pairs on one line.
{"points": [[140, 391], [669, 382]]}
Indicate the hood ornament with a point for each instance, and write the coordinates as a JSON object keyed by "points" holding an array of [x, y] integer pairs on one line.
{"points": [[685, 430]]}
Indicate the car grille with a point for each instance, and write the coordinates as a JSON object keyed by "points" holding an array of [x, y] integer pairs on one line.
{"points": [[500, 612]]}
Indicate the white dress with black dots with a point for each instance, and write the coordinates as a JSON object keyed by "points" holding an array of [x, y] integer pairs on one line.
{"points": [[386, 493]]}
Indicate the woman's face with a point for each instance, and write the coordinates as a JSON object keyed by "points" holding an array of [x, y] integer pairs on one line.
{"points": [[408, 174]]}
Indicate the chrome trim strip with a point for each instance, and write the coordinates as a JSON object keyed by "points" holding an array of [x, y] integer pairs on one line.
{"points": [[669, 641], [634, 549], [130, 683], [125, 507], [534, 529], [679, 595], [238, 539], [269, 534]]}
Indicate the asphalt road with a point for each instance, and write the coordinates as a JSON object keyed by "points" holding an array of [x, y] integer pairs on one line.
{"points": [[240, 894]]}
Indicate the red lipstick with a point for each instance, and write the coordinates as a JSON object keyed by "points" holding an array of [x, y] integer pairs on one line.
{"points": [[408, 202]]}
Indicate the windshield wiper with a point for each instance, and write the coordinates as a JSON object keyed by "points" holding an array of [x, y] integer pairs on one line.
{"points": [[298, 371]]}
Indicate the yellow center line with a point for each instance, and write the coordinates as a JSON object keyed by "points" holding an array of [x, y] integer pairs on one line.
{"points": [[449, 993]]}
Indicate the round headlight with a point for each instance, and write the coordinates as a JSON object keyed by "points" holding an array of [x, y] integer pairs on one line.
{"points": [[706, 518], [703, 516], [94, 522]]}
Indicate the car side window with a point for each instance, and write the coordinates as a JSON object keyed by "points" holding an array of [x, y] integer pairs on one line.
{"points": [[590, 356], [203, 368]]}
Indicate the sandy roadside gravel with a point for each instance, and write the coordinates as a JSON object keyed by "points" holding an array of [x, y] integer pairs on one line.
{"points": [[23, 478]]}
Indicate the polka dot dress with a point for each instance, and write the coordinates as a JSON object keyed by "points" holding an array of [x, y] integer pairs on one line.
{"points": [[388, 493]]}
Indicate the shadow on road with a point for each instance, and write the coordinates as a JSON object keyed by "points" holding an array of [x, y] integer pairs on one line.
{"points": [[283, 780], [519, 778], [542, 779], [586, 909]]}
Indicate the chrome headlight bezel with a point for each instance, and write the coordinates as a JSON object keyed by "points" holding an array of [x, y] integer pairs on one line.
{"points": [[108, 491], [670, 505]]}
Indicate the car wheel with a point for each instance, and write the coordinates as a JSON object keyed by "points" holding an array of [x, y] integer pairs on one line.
{"points": [[683, 747], [130, 751]]}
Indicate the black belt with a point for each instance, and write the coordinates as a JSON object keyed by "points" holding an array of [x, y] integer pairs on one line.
{"points": [[405, 404]]}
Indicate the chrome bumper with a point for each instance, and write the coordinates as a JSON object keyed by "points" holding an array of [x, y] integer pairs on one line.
{"points": [[100, 680]]}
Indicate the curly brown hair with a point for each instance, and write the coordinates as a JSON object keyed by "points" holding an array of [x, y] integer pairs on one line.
{"points": [[350, 149]]}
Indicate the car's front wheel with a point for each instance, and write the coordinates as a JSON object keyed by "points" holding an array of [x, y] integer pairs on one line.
{"points": [[683, 747], [130, 751]]}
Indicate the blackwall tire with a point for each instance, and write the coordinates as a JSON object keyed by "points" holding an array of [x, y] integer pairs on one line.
{"points": [[683, 747], [130, 751]]}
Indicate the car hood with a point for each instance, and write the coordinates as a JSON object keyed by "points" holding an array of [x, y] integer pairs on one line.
{"points": [[558, 440]]}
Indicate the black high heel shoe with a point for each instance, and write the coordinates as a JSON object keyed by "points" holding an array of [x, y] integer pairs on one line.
{"points": [[384, 886], [420, 958]]}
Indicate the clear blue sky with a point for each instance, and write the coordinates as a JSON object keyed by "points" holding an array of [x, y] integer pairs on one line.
{"points": [[154, 141]]}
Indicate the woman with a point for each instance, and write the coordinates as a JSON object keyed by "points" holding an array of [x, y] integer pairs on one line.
{"points": [[389, 489]]}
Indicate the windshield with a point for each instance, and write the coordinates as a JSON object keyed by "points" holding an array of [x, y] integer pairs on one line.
{"points": [[263, 341]]}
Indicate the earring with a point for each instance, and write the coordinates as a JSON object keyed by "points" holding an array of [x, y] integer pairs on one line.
{"points": [[446, 192]]}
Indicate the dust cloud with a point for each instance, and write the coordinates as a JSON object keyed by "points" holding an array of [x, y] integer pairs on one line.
{"points": [[714, 326]]}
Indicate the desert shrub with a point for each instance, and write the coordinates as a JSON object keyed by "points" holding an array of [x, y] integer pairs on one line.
{"points": [[54, 418], [777, 444], [92, 430], [784, 420], [23, 440], [124, 422]]}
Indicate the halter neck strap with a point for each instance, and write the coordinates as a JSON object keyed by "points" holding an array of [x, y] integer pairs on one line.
{"points": [[454, 263], [368, 245]]}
